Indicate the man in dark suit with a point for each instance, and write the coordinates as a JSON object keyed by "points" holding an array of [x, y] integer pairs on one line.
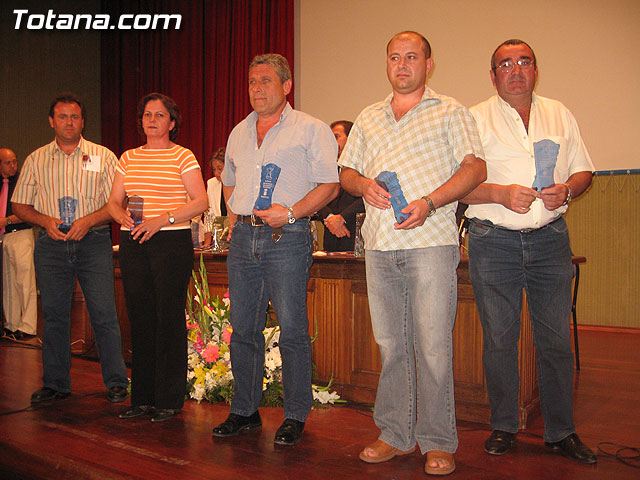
{"points": [[339, 216]]}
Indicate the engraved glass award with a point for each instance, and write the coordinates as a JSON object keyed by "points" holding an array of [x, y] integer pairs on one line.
{"points": [[270, 173], [67, 207], [136, 207], [546, 153], [389, 181]]}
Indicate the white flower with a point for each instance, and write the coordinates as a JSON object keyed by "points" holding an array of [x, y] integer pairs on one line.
{"points": [[273, 360], [324, 396], [198, 392]]}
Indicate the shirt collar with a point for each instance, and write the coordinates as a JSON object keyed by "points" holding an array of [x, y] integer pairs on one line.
{"points": [[428, 94], [253, 116], [81, 147], [505, 105]]}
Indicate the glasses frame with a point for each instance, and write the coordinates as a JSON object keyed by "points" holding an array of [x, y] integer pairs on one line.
{"points": [[523, 63]]}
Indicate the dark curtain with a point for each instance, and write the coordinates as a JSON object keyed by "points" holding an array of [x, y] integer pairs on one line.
{"points": [[203, 66]]}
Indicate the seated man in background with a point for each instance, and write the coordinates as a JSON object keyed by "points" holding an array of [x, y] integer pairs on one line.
{"points": [[19, 295], [339, 215]]}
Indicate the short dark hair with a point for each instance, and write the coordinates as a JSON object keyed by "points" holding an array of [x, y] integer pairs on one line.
{"points": [[68, 98], [171, 107], [346, 125], [275, 60], [512, 41], [217, 155], [426, 46]]}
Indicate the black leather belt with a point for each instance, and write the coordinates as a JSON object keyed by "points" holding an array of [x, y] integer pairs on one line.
{"points": [[16, 227]]}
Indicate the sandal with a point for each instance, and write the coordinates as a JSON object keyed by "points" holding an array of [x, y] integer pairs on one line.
{"points": [[436, 455], [378, 446]]}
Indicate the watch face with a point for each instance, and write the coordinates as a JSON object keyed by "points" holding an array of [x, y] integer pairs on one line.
{"points": [[292, 219]]}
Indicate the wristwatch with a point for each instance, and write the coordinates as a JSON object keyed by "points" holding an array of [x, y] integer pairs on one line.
{"points": [[172, 219], [432, 208], [291, 216]]}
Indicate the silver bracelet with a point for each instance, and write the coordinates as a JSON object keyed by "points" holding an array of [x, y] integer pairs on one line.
{"points": [[568, 199]]}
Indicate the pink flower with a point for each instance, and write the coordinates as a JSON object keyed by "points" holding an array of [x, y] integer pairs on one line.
{"points": [[226, 335], [210, 354], [226, 294]]}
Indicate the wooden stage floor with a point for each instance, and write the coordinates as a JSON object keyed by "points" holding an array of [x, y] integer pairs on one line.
{"points": [[82, 438]]}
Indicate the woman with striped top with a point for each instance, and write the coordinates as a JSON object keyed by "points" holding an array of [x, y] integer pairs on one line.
{"points": [[149, 200]]}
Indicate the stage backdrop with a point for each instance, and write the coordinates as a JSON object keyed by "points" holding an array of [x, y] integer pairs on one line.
{"points": [[203, 66]]}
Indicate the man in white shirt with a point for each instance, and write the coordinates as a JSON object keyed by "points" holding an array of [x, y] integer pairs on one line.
{"points": [[536, 163]]}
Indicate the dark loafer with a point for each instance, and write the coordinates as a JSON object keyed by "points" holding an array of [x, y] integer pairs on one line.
{"points": [[117, 394], [289, 433], [235, 424], [46, 394], [162, 414], [136, 411], [499, 442], [573, 447]]}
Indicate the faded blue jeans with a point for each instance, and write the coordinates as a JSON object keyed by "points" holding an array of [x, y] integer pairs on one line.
{"points": [[58, 263], [261, 270], [413, 300], [501, 263]]}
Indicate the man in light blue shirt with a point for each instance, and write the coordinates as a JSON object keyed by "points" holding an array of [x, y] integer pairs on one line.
{"points": [[270, 252]]}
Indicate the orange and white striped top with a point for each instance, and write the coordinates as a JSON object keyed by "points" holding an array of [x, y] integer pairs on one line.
{"points": [[153, 180]]}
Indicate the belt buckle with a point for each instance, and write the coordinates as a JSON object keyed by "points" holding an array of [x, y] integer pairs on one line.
{"points": [[527, 230], [254, 221]]}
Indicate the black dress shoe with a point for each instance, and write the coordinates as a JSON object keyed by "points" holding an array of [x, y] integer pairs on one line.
{"points": [[24, 336], [136, 411], [235, 424], [11, 335], [117, 394], [573, 447], [46, 394], [162, 414], [289, 433], [499, 442]]}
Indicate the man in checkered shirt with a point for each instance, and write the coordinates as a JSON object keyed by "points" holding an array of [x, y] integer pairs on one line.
{"points": [[430, 141]]}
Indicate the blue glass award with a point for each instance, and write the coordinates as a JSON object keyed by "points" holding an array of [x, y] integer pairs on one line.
{"points": [[67, 207], [546, 154], [270, 174], [389, 181], [136, 207]]}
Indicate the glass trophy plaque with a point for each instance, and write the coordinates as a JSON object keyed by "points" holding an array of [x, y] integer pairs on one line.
{"points": [[389, 181], [268, 179]]}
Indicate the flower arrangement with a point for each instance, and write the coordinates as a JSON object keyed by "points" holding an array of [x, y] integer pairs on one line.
{"points": [[209, 330]]}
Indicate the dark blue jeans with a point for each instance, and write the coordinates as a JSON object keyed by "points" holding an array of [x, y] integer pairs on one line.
{"points": [[261, 270], [57, 264], [502, 263]]}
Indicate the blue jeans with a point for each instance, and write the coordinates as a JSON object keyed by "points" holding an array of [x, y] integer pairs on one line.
{"points": [[261, 270], [57, 264], [502, 263], [413, 300]]}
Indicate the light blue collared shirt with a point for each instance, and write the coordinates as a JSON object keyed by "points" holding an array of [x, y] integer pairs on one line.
{"points": [[302, 146]]}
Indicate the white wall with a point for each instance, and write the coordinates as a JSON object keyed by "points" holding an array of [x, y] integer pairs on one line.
{"points": [[588, 58]]}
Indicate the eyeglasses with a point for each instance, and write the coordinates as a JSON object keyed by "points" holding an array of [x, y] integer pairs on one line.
{"points": [[508, 65]]}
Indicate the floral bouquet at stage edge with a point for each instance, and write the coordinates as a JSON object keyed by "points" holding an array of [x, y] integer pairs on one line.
{"points": [[209, 332]]}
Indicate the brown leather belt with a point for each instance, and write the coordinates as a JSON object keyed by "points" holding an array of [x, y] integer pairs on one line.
{"points": [[252, 220]]}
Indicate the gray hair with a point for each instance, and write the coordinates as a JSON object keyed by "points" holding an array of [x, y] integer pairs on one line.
{"points": [[275, 60]]}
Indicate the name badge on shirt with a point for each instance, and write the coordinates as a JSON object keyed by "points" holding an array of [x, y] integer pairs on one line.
{"points": [[91, 163]]}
